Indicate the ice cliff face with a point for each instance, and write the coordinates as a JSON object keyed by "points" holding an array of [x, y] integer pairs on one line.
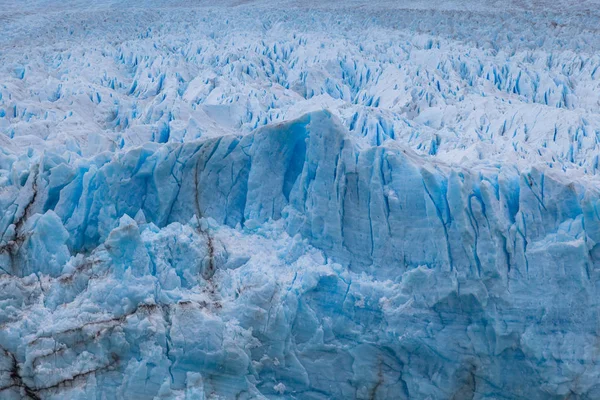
{"points": [[201, 204]]}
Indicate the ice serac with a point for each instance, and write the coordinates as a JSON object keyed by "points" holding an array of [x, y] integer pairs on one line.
{"points": [[335, 270], [299, 200]]}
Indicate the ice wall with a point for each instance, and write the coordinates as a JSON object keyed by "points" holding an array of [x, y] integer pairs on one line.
{"points": [[299, 200], [290, 262]]}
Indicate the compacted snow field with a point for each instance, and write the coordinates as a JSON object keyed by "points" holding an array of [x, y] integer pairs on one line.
{"points": [[300, 200]]}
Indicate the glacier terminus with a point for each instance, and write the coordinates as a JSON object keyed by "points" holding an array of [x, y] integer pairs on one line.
{"points": [[300, 200]]}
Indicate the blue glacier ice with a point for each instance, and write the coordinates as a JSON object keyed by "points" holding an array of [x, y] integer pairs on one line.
{"points": [[387, 271], [196, 203]]}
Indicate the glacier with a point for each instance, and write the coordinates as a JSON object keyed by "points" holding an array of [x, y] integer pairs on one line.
{"points": [[259, 200]]}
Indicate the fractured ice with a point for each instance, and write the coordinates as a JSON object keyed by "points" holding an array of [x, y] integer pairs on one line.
{"points": [[250, 201]]}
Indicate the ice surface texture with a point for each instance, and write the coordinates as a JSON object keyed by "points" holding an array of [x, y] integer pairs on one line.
{"points": [[247, 202]]}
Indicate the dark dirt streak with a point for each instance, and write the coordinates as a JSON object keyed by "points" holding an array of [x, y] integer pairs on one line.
{"points": [[116, 320], [65, 382], [210, 270], [13, 246], [83, 267], [21, 221], [37, 360], [17, 379], [380, 379], [33, 392]]}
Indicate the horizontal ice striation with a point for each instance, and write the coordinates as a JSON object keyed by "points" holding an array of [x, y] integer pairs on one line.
{"points": [[294, 262]]}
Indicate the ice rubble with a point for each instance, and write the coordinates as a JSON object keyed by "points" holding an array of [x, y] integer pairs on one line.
{"points": [[258, 210]]}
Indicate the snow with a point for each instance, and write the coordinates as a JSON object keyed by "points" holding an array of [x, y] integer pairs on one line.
{"points": [[252, 200]]}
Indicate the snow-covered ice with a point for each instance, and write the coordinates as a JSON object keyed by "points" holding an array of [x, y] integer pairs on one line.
{"points": [[300, 200]]}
